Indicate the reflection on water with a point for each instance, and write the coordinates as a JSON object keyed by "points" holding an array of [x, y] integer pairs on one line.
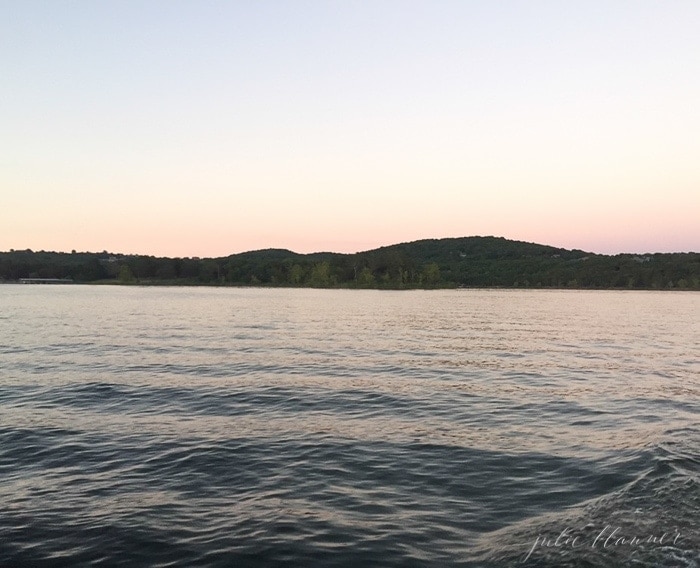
{"points": [[185, 426]]}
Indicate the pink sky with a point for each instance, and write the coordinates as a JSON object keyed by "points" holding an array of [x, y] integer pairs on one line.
{"points": [[231, 127]]}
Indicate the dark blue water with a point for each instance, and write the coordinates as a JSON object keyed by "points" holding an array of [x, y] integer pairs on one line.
{"points": [[249, 427]]}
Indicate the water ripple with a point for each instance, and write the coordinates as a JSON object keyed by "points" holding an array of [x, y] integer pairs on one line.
{"points": [[203, 427]]}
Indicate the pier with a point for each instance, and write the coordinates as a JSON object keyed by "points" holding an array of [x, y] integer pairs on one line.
{"points": [[46, 281]]}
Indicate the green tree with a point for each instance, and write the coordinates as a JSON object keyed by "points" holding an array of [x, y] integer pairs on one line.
{"points": [[125, 274], [296, 274], [431, 274], [365, 279], [320, 275]]}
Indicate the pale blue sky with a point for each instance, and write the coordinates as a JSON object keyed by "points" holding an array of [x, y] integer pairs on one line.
{"points": [[206, 128]]}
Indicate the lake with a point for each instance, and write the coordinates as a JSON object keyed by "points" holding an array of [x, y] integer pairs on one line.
{"points": [[295, 427]]}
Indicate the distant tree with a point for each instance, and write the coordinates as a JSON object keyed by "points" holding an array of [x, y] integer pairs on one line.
{"points": [[320, 275], [166, 269], [431, 274], [87, 271], [432, 263], [125, 274], [296, 274], [209, 271], [365, 279]]}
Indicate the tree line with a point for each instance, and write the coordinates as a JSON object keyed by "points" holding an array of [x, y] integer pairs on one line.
{"points": [[434, 263]]}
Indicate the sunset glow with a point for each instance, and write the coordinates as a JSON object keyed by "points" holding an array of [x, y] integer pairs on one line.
{"points": [[208, 128]]}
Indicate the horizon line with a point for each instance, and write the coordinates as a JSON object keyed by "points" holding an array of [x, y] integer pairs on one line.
{"points": [[105, 251]]}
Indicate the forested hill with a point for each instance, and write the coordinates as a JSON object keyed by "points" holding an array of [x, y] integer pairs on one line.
{"points": [[434, 263]]}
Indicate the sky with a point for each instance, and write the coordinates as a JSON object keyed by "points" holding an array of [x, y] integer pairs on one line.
{"points": [[205, 128]]}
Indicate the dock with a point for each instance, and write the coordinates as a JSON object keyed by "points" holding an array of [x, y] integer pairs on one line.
{"points": [[46, 281]]}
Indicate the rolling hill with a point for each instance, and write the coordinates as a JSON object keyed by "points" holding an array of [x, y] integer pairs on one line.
{"points": [[429, 263]]}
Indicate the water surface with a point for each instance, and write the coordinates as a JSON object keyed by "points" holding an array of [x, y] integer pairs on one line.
{"points": [[271, 427]]}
